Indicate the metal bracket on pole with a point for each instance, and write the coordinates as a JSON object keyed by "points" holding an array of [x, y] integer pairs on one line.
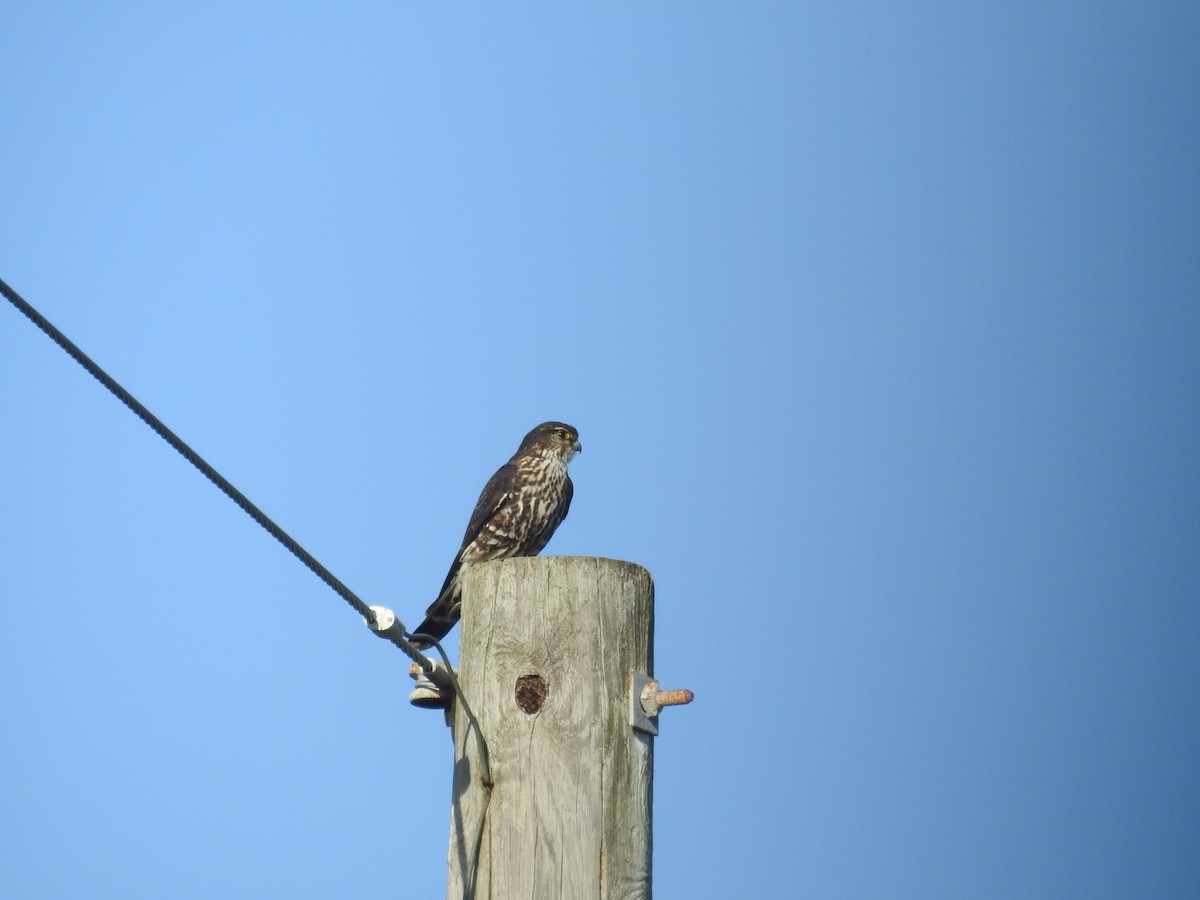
{"points": [[433, 688], [646, 701]]}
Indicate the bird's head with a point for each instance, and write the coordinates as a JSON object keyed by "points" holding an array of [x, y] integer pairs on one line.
{"points": [[553, 439]]}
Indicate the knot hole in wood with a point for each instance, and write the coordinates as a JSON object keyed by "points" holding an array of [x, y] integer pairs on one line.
{"points": [[531, 693]]}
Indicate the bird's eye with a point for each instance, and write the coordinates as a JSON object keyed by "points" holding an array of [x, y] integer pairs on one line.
{"points": [[561, 432]]}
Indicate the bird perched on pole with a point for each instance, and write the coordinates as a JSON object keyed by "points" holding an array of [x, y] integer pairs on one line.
{"points": [[516, 514]]}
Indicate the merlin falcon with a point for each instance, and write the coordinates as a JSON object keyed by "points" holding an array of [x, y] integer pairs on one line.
{"points": [[516, 514]]}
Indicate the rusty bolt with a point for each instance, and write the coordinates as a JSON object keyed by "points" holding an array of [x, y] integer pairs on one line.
{"points": [[675, 698], [653, 699]]}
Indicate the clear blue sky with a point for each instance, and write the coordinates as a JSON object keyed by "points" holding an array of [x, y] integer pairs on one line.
{"points": [[881, 327]]}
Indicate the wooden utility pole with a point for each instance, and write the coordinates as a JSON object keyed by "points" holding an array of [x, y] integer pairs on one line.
{"points": [[548, 646]]}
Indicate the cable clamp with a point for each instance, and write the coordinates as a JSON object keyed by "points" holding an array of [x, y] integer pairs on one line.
{"points": [[386, 624]]}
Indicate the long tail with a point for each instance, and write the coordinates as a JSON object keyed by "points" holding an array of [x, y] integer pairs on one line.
{"points": [[442, 614]]}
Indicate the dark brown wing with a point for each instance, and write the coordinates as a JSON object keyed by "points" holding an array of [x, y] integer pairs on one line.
{"points": [[491, 498], [443, 612]]}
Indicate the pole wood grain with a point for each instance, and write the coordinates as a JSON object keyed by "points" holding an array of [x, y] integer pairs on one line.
{"points": [[546, 650]]}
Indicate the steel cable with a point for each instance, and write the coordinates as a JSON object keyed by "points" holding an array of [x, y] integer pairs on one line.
{"points": [[188, 453], [275, 531]]}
